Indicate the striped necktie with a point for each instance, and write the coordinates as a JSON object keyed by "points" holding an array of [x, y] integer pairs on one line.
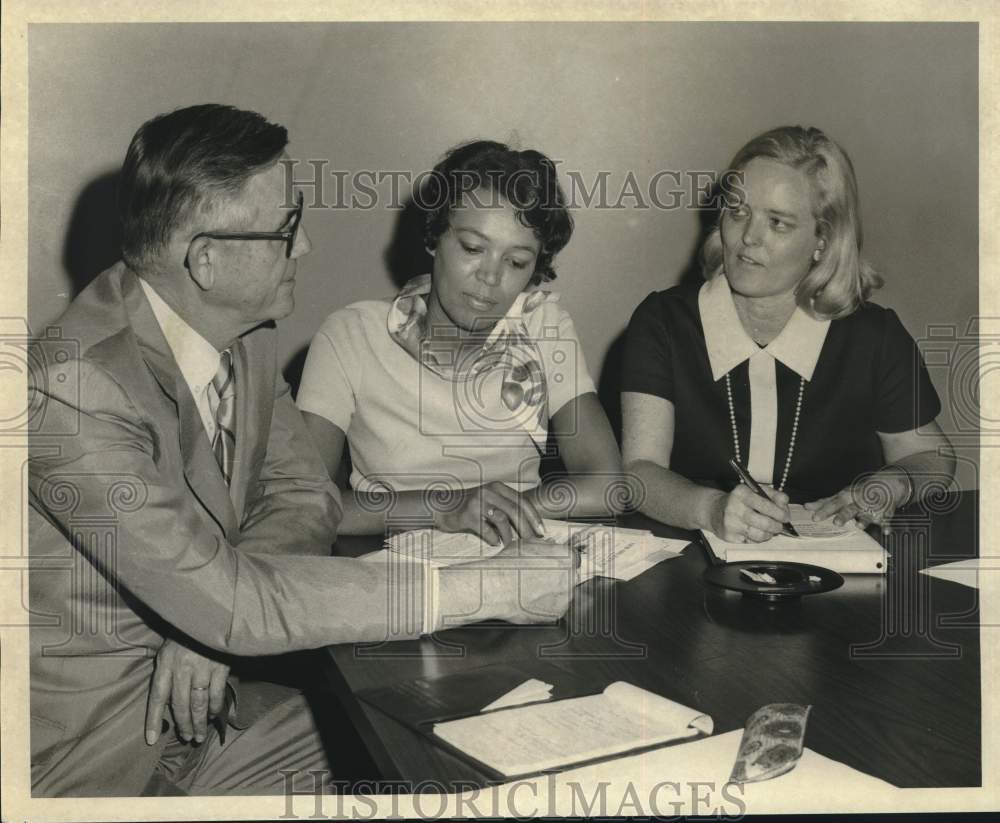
{"points": [[224, 442]]}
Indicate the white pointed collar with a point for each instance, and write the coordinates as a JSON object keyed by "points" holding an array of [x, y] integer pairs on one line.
{"points": [[196, 358], [797, 346]]}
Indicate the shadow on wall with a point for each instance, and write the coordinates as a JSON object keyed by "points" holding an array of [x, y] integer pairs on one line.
{"points": [[293, 369], [406, 256], [609, 380], [93, 242]]}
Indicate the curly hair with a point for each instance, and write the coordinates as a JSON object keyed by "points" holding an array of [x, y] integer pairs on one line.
{"points": [[527, 180]]}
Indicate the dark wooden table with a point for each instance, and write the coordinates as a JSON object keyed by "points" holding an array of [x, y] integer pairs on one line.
{"points": [[889, 664]]}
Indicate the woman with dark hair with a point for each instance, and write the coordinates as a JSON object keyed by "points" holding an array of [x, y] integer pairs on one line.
{"points": [[779, 362], [446, 394]]}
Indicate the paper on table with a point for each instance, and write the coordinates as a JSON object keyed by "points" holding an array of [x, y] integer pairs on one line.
{"points": [[656, 709], [816, 784], [609, 551], [530, 691], [623, 554], [446, 548], [530, 738], [965, 572]]}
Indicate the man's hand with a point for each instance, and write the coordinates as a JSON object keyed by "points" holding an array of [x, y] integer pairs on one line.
{"points": [[536, 581], [195, 687]]}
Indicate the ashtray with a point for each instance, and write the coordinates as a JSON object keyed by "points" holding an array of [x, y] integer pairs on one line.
{"points": [[753, 578]]}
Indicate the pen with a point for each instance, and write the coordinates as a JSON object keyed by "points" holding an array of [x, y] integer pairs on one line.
{"points": [[745, 476]]}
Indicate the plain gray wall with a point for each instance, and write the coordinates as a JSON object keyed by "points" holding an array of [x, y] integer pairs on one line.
{"points": [[619, 98]]}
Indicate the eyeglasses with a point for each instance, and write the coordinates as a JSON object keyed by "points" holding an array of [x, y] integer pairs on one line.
{"points": [[288, 235]]}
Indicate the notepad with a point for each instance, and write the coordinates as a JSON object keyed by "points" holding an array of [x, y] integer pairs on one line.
{"points": [[532, 738]]}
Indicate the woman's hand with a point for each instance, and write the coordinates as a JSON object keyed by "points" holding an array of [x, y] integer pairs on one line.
{"points": [[494, 511], [871, 499], [745, 517]]}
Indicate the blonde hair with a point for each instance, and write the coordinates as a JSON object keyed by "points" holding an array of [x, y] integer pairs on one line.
{"points": [[841, 280]]}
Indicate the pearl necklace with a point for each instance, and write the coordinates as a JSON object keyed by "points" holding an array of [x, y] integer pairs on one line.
{"points": [[791, 442]]}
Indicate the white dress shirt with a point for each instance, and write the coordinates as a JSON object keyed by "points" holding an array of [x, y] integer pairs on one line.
{"points": [[197, 359]]}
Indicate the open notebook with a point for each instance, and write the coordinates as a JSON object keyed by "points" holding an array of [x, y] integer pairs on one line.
{"points": [[532, 738], [845, 549], [549, 727]]}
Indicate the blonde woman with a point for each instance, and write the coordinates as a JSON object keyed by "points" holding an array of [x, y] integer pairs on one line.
{"points": [[779, 362]]}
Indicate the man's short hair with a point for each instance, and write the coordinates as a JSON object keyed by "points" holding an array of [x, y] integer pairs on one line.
{"points": [[181, 162]]}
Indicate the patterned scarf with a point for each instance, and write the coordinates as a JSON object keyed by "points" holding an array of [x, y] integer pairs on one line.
{"points": [[508, 346]]}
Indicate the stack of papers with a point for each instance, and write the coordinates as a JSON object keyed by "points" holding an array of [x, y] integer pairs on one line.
{"points": [[606, 551]]}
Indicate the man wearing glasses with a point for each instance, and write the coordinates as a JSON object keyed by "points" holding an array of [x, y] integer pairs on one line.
{"points": [[177, 395], [180, 519]]}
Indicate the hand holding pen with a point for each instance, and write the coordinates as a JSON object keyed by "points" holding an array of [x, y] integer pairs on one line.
{"points": [[748, 514], [757, 489]]}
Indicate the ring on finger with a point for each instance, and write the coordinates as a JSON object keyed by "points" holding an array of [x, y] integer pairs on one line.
{"points": [[199, 688], [490, 511]]}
